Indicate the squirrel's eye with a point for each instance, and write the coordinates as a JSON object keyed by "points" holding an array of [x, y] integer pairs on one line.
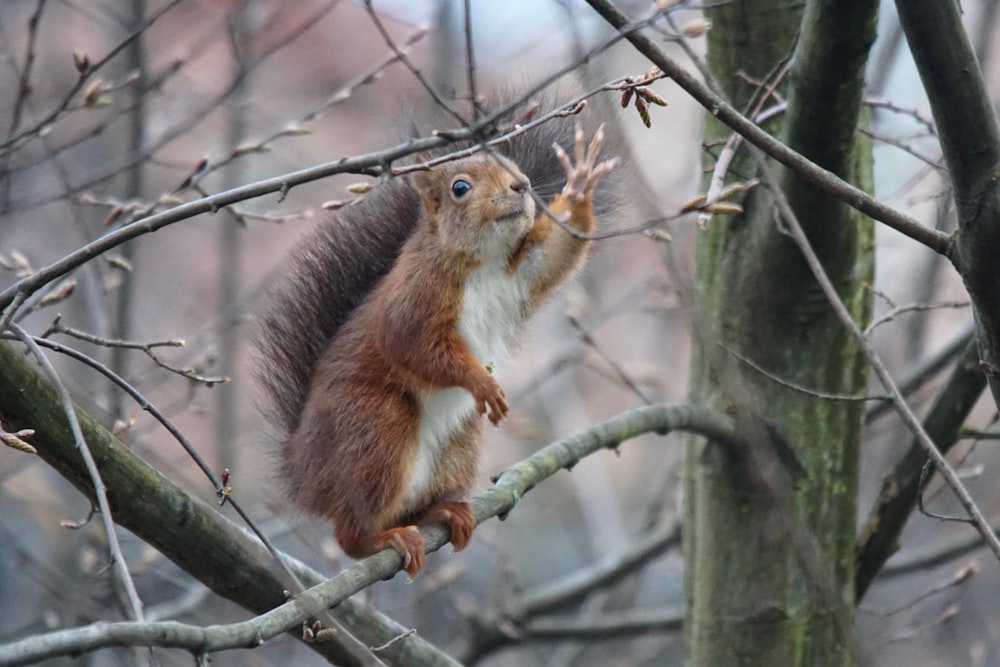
{"points": [[460, 188]]}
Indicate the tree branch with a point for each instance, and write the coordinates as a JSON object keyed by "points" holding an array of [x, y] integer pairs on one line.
{"points": [[100, 493], [377, 163], [808, 170], [970, 141], [226, 559], [186, 530], [879, 537]]}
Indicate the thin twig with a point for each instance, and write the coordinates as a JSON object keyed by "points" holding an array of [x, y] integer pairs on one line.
{"points": [[616, 368], [917, 374], [798, 387], [95, 177], [916, 114], [138, 397], [24, 80], [403, 58], [23, 92], [147, 348], [470, 60], [936, 164], [958, 577], [726, 156], [926, 628], [913, 308], [299, 126], [14, 141], [765, 91], [397, 638]]}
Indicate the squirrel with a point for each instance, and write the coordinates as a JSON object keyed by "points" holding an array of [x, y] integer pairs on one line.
{"points": [[377, 352]]}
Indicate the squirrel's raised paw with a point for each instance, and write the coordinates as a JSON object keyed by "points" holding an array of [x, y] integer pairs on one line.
{"points": [[583, 176]]}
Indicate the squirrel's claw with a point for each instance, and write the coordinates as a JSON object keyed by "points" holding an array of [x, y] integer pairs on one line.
{"points": [[405, 540], [605, 167], [563, 158], [595, 146], [459, 517]]}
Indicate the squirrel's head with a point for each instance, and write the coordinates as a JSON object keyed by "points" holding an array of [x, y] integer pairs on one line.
{"points": [[480, 206]]}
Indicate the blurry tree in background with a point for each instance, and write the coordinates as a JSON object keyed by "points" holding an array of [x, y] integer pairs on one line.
{"points": [[834, 354]]}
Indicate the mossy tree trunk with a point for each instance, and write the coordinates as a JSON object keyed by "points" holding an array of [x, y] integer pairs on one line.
{"points": [[769, 539]]}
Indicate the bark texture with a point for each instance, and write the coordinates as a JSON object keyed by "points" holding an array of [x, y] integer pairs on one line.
{"points": [[769, 539]]}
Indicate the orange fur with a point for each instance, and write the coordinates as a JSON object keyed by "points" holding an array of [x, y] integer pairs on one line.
{"points": [[368, 454]]}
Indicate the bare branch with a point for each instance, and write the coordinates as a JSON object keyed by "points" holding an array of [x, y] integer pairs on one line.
{"points": [[300, 126], [912, 308], [372, 164], [808, 170], [190, 373], [510, 487]]}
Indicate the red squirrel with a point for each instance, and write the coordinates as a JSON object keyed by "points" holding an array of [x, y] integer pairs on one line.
{"points": [[398, 311]]}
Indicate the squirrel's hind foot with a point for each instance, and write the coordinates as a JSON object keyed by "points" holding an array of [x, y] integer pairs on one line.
{"points": [[406, 540], [458, 515]]}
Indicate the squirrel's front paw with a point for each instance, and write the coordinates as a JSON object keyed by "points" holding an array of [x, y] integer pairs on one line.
{"points": [[583, 176], [490, 399]]}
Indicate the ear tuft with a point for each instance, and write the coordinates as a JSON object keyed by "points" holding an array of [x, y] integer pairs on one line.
{"points": [[427, 185]]}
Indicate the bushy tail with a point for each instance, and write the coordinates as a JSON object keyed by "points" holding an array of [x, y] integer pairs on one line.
{"points": [[338, 264]]}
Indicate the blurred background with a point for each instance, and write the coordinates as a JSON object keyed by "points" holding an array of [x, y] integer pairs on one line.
{"points": [[233, 91]]}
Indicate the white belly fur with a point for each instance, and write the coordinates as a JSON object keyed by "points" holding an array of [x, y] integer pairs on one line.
{"points": [[488, 323]]}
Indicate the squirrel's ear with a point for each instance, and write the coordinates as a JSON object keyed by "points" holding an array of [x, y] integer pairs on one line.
{"points": [[426, 183]]}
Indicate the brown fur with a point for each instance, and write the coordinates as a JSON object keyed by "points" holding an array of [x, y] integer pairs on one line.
{"points": [[350, 453]]}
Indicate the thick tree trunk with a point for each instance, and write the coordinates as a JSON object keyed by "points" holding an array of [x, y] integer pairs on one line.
{"points": [[769, 540]]}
